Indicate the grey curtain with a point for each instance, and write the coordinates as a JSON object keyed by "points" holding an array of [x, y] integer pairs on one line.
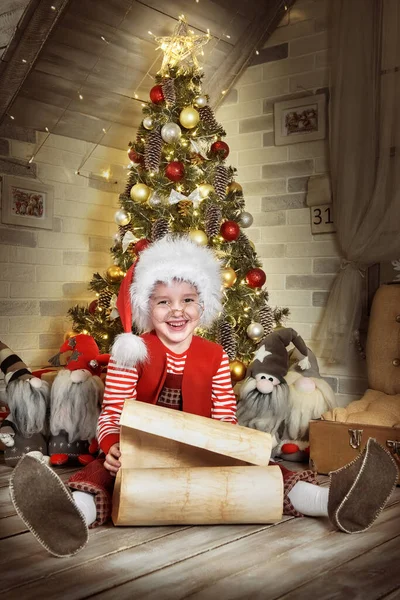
{"points": [[364, 156]]}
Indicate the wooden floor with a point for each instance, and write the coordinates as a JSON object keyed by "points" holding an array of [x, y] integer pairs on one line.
{"points": [[294, 559]]}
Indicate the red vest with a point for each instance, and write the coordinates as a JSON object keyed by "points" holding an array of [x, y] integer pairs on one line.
{"points": [[203, 360]]}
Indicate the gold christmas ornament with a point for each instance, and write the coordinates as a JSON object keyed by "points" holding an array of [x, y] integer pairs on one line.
{"points": [[69, 334], [122, 218], [234, 187], [228, 277], [140, 192], [238, 370], [198, 236], [205, 189], [189, 117], [114, 274], [255, 331]]}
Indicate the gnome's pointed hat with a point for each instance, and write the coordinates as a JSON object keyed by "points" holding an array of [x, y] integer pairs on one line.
{"points": [[81, 352], [272, 357], [169, 259], [12, 365]]}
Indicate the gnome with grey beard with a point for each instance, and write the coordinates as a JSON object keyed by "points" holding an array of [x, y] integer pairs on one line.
{"points": [[27, 398], [264, 396]]}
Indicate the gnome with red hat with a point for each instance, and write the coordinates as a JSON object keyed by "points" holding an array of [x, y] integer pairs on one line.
{"points": [[75, 401]]}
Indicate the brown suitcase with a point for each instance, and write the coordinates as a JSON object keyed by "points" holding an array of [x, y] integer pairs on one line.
{"points": [[334, 444]]}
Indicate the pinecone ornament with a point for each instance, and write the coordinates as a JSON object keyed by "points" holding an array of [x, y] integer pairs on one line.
{"points": [[221, 179], [105, 298], [168, 88], [159, 229], [184, 207], [213, 218], [227, 340], [122, 229], [207, 116], [152, 151], [266, 318]]}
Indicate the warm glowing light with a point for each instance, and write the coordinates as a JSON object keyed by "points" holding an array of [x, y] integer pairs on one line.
{"points": [[106, 174], [23, 60], [80, 97], [257, 52], [11, 117], [105, 336]]}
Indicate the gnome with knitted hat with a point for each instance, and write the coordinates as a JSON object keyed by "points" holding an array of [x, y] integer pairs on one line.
{"points": [[76, 396], [27, 397]]}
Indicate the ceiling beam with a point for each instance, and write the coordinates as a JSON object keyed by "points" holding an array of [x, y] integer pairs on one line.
{"points": [[255, 36], [30, 36]]}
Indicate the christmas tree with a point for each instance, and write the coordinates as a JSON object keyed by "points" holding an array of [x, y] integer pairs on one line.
{"points": [[179, 183]]}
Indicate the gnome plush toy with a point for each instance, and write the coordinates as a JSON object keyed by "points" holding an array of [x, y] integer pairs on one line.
{"points": [[76, 396], [27, 398]]}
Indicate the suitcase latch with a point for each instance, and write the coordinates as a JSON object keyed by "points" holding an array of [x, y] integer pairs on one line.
{"points": [[355, 438], [395, 446]]}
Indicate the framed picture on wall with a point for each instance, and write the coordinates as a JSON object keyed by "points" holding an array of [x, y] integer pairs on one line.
{"points": [[300, 120], [26, 202]]}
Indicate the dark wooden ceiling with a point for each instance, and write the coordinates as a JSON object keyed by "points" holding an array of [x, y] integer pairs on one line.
{"points": [[75, 67]]}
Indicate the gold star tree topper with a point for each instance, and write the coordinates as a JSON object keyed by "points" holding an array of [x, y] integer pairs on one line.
{"points": [[181, 48]]}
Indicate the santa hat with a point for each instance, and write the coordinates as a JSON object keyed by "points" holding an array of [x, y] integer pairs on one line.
{"points": [[164, 261], [80, 352], [272, 357]]}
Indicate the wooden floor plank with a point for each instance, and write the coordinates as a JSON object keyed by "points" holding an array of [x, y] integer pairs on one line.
{"points": [[371, 575], [263, 565]]}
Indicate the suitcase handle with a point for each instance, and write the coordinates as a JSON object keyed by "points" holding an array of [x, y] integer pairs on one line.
{"points": [[394, 446], [355, 438]]}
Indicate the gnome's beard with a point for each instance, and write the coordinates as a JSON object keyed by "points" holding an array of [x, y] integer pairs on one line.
{"points": [[75, 407], [265, 412], [28, 406]]}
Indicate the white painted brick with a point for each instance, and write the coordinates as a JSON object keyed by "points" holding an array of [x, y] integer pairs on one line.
{"points": [[45, 256], [264, 89], [19, 254], [4, 289], [287, 265], [290, 298], [308, 81], [11, 272], [234, 112], [58, 158], [233, 159], [23, 341], [308, 149], [37, 325], [231, 128], [48, 239], [309, 9], [344, 400], [264, 186], [250, 75], [309, 314], [298, 233], [112, 155], [307, 45], [4, 325], [253, 234], [263, 156], [52, 173], [323, 59], [70, 225], [4, 253], [36, 359], [288, 66], [22, 150], [246, 141], [322, 165], [36, 290], [253, 204], [71, 145], [247, 174], [290, 32], [92, 259], [313, 249], [301, 216], [303, 329], [68, 273], [275, 282]]}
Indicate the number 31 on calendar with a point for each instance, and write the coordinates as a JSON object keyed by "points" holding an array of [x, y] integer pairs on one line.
{"points": [[322, 219]]}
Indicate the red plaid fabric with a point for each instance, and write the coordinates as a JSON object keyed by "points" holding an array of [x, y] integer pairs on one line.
{"points": [[171, 394], [95, 479], [290, 478]]}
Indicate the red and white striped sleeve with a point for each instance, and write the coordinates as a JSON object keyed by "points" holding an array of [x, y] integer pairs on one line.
{"points": [[120, 385], [223, 398]]}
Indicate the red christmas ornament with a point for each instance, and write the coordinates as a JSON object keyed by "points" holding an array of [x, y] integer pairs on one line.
{"points": [[256, 278], [220, 148], [175, 170], [230, 231], [157, 94], [134, 156], [92, 306], [141, 245]]}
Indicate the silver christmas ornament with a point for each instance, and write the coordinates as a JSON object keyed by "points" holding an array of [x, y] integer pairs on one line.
{"points": [[170, 133], [245, 219], [116, 238], [121, 217], [148, 123], [255, 331], [200, 101], [154, 199]]}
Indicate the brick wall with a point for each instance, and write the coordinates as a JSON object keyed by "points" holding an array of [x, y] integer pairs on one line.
{"points": [[43, 272], [300, 267]]}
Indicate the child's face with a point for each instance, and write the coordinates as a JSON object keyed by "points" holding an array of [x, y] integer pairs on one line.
{"points": [[175, 314]]}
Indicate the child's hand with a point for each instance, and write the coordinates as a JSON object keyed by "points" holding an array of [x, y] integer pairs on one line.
{"points": [[112, 463]]}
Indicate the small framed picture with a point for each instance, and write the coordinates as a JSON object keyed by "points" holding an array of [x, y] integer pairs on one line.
{"points": [[300, 120], [27, 202]]}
